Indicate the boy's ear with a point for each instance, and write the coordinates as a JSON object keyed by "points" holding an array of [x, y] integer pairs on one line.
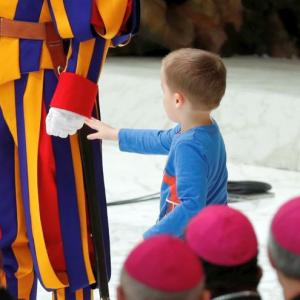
{"points": [[179, 99]]}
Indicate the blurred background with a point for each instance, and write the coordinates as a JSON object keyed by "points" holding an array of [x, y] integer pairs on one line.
{"points": [[227, 27]]}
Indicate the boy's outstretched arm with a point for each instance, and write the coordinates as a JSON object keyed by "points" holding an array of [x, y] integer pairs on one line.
{"points": [[147, 141], [191, 187], [144, 141]]}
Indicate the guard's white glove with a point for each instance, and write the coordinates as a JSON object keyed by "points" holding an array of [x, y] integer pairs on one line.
{"points": [[61, 122]]}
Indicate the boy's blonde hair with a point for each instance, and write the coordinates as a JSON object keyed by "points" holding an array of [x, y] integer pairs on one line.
{"points": [[198, 74]]}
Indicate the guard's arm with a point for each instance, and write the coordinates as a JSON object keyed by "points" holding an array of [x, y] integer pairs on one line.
{"points": [[77, 88]]}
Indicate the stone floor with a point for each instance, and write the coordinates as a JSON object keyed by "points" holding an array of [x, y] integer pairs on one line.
{"points": [[129, 176]]}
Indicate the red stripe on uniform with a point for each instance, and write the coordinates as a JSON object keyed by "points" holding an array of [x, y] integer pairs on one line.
{"points": [[48, 199]]}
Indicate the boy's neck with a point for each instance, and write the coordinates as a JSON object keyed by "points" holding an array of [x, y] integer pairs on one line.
{"points": [[195, 119]]}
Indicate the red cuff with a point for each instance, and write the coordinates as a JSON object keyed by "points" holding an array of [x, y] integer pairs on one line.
{"points": [[75, 93]]}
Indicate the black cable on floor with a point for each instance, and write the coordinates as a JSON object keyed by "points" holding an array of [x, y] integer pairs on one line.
{"points": [[145, 198], [236, 189]]}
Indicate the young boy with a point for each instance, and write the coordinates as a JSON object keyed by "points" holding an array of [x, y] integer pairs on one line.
{"points": [[193, 82]]}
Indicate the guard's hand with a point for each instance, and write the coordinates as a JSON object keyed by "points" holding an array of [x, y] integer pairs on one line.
{"points": [[61, 122]]}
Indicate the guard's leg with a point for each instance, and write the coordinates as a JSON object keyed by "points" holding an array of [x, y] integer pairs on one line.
{"points": [[19, 276], [29, 95], [48, 199], [67, 294]]}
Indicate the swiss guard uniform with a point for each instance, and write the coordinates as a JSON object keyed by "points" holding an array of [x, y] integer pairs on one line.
{"points": [[43, 214]]}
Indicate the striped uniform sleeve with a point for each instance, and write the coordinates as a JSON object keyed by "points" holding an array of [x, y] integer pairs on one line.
{"points": [[118, 30], [90, 36]]}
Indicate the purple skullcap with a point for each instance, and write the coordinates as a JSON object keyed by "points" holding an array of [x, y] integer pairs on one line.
{"points": [[222, 236], [285, 226], [164, 263]]}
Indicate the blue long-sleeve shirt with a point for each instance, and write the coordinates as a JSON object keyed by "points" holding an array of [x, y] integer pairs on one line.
{"points": [[195, 174]]}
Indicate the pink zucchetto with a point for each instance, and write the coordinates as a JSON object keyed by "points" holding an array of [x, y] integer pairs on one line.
{"points": [[285, 226], [164, 263], [222, 236]]}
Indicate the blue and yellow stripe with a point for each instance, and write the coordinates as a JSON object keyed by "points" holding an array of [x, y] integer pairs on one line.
{"points": [[27, 84]]}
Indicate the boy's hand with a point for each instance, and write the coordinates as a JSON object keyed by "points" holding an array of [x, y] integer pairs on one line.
{"points": [[104, 131]]}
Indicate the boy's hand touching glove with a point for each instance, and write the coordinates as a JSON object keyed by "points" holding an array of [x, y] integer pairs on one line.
{"points": [[104, 131], [61, 122]]}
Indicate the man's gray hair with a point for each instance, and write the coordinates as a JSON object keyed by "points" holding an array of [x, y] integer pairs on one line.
{"points": [[286, 262], [135, 290]]}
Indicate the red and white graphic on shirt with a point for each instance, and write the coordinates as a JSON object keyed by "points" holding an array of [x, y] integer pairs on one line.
{"points": [[173, 199]]}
